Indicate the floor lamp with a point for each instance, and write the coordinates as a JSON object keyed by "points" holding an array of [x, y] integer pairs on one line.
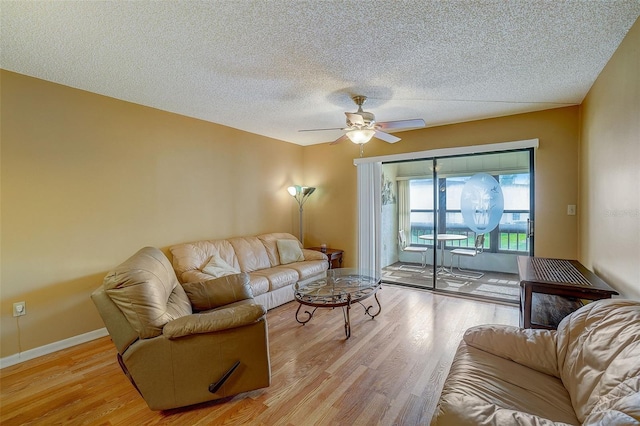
{"points": [[301, 193]]}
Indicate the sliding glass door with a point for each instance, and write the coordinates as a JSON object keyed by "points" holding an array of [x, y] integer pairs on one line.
{"points": [[472, 214]]}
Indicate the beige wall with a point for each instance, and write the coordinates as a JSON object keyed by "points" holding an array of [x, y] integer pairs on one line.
{"points": [[610, 173], [88, 180], [330, 167]]}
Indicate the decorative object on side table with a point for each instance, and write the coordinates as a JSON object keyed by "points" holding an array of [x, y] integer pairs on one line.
{"points": [[334, 255]]}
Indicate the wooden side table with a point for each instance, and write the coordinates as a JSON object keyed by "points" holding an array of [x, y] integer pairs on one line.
{"points": [[550, 289], [334, 255]]}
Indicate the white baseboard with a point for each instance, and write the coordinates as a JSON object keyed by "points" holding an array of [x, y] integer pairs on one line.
{"points": [[52, 347]]}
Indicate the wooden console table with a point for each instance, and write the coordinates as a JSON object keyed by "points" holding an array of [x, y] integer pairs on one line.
{"points": [[334, 255], [550, 289]]}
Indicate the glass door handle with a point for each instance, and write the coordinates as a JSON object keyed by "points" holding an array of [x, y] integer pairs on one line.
{"points": [[529, 228]]}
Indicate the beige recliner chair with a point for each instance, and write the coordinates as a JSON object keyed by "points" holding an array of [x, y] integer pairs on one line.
{"points": [[182, 345]]}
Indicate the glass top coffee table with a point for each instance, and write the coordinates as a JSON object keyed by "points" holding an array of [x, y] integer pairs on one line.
{"points": [[340, 289]]}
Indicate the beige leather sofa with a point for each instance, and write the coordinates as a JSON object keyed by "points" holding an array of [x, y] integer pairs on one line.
{"points": [[273, 261], [183, 345], [586, 372]]}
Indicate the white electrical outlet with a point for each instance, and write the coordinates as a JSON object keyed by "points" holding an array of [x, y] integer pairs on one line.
{"points": [[19, 309]]}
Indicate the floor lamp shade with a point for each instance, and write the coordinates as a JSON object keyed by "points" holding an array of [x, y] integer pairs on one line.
{"points": [[300, 193]]}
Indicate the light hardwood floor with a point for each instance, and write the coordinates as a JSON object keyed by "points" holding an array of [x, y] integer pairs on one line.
{"points": [[390, 372]]}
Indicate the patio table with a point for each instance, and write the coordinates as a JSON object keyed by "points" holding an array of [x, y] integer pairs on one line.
{"points": [[442, 239]]}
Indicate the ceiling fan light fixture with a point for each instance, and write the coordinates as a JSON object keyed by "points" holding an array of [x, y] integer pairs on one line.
{"points": [[360, 136]]}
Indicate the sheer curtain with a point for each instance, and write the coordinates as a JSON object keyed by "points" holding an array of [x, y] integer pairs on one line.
{"points": [[404, 209]]}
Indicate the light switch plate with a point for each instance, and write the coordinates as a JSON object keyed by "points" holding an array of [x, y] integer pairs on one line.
{"points": [[571, 210]]}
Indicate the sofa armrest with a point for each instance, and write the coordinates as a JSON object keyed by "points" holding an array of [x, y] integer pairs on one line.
{"points": [[217, 292], [209, 322], [313, 255], [535, 349]]}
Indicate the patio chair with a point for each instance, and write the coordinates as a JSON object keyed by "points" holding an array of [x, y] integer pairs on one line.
{"points": [[466, 273], [402, 241]]}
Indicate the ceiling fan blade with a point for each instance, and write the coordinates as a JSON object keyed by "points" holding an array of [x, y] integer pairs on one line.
{"points": [[319, 130], [386, 137], [354, 119], [401, 124], [340, 139]]}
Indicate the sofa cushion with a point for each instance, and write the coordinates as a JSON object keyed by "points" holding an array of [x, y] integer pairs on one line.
{"points": [[251, 253], [195, 255], [532, 348], [270, 244], [211, 294], [278, 277], [483, 388], [309, 268], [194, 276], [146, 290], [599, 356], [289, 251], [259, 284], [217, 267]]}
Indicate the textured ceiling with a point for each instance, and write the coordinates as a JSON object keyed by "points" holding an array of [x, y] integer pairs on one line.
{"points": [[275, 67]]}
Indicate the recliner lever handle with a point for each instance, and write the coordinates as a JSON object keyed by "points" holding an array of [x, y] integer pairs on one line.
{"points": [[213, 387], [125, 370]]}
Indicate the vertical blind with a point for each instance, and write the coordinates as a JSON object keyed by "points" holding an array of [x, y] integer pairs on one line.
{"points": [[369, 207]]}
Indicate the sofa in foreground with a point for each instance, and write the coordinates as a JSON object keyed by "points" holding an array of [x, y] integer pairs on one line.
{"points": [[274, 262], [586, 372]]}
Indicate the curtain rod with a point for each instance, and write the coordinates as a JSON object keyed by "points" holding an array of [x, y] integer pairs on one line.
{"points": [[445, 152]]}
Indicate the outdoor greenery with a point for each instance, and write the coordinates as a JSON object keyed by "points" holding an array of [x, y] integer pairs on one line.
{"points": [[513, 242]]}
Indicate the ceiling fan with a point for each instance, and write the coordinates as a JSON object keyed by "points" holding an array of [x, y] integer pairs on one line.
{"points": [[362, 126]]}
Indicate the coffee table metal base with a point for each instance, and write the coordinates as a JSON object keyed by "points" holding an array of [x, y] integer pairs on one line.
{"points": [[343, 302]]}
